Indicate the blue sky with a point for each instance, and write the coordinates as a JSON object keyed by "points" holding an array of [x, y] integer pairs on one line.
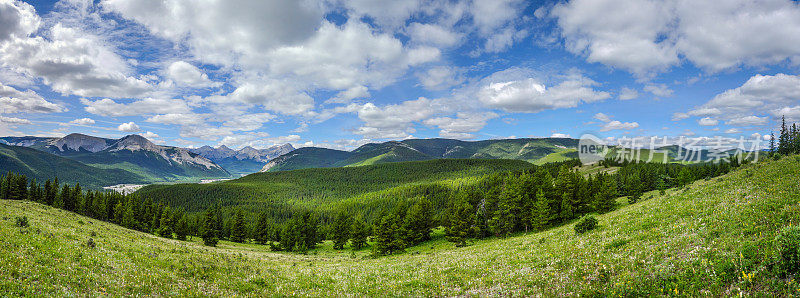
{"points": [[341, 73]]}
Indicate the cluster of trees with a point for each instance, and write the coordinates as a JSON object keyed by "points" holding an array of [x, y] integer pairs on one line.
{"points": [[788, 140], [494, 205], [129, 211]]}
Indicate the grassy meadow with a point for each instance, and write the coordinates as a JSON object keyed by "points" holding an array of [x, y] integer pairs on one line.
{"points": [[712, 238]]}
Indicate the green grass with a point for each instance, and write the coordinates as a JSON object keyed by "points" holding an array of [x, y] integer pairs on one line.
{"points": [[713, 238]]}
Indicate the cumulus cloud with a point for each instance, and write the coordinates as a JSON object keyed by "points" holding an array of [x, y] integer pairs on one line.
{"points": [[440, 77], [463, 126], [660, 90], [13, 120], [708, 121], [433, 34], [146, 106], [529, 95], [16, 101], [609, 124], [646, 36], [189, 75], [751, 103], [559, 135], [83, 121], [128, 127], [347, 95], [149, 135]]}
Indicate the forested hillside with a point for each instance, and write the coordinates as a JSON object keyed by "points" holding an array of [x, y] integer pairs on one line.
{"points": [[725, 236]]}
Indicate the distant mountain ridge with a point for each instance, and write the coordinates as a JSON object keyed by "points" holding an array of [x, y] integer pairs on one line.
{"points": [[132, 153], [537, 150], [244, 161]]}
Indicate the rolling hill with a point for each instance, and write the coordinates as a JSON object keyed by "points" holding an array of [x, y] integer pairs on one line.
{"points": [[531, 150], [45, 166], [713, 238], [367, 186]]}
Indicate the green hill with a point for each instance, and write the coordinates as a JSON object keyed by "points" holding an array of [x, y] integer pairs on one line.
{"points": [[531, 150], [713, 238], [367, 186], [43, 166]]}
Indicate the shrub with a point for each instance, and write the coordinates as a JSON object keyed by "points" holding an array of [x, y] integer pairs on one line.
{"points": [[585, 224], [90, 243], [788, 242], [21, 222]]}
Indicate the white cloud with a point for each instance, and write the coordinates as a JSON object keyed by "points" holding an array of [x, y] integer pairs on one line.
{"points": [[660, 90], [529, 95], [12, 120], [462, 127], [559, 135], [735, 130], [750, 103], [16, 101], [440, 77], [83, 121], [394, 121], [616, 125], [490, 15], [188, 75], [180, 119], [602, 117], [146, 106], [433, 34], [347, 95], [149, 135], [748, 121], [708, 121], [70, 60], [646, 36], [679, 116], [272, 95], [627, 93], [128, 127]]}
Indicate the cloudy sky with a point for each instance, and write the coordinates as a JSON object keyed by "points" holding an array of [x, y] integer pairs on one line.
{"points": [[340, 73]]}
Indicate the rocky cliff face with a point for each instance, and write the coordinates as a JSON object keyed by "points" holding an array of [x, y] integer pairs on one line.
{"points": [[76, 142]]}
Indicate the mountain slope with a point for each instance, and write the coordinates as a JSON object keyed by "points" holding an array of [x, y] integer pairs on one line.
{"points": [[531, 150], [43, 166], [714, 238]]}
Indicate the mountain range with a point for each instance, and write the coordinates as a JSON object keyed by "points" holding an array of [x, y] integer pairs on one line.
{"points": [[243, 161], [536, 151]]}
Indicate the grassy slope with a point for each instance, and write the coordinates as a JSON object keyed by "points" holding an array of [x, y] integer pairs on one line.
{"points": [[713, 238], [43, 166]]}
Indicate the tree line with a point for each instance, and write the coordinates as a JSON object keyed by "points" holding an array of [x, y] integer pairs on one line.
{"points": [[788, 140]]}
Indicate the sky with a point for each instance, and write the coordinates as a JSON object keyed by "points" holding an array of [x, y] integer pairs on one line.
{"points": [[342, 73]]}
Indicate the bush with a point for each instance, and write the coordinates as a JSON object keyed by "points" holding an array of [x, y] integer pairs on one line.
{"points": [[22, 222], [585, 224], [788, 242]]}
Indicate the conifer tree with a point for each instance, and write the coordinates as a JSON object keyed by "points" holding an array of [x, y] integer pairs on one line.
{"points": [[208, 229], [783, 139], [566, 207], [541, 212], [358, 234], [460, 222], [129, 216], [181, 229], [238, 230], [263, 229], [385, 232], [341, 230], [164, 227], [419, 222]]}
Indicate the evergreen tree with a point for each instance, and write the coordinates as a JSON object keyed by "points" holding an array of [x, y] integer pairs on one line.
{"points": [[50, 192], [208, 229], [341, 230], [604, 199], [358, 234], [460, 222], [181, 228], [129, 216], [783, 139], [238, 230], [165, 227], [388, 237], [419, 222], [263, 229], [504, 219], [66, 200], [771, 144], [541, 212], [566, 207]]}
